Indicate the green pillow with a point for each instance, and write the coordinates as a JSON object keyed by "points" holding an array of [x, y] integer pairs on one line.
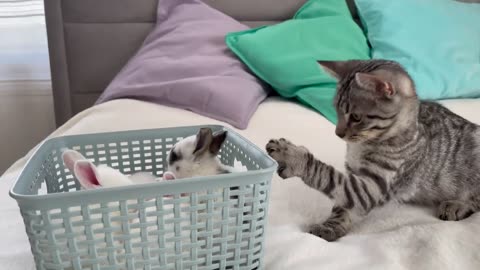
{"points": [[285, 55]]}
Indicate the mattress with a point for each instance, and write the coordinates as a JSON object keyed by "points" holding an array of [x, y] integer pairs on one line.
{"points": [[392, 237]]}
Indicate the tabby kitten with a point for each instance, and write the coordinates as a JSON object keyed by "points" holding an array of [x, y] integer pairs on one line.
{"points": [[398, 148]]}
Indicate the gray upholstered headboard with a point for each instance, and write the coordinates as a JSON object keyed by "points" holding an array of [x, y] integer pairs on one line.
{"points": [[91, 40]]}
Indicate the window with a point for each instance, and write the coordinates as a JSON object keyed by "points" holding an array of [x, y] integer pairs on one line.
{"points": [[23, 41]]}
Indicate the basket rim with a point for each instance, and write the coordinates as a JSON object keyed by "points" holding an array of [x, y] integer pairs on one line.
{"points": [[110, 190]]}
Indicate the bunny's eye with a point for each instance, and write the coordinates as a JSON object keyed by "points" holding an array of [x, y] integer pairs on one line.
{"points": [[173, 157], [177, 168]]}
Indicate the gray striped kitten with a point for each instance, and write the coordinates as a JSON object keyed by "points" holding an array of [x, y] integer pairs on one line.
{"points": [[398, 148]]}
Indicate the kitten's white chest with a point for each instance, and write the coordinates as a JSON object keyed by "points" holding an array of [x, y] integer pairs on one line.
{"points": [[354, 155]]}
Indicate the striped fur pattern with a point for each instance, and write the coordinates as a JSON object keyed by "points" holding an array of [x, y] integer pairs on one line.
{"points": [[398, 148]]}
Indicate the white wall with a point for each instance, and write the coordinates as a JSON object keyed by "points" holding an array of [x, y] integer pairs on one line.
{"points": [[26, 118]]}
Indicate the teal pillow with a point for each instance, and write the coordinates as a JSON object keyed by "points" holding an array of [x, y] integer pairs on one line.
{"points": [[285, 55], [437, 41]]}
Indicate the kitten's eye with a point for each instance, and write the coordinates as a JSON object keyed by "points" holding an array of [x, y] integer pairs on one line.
{"points": [[355, 117]]}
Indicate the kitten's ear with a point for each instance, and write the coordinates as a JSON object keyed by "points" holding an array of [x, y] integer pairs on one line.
{"points": [[336, 69], [217, 141], [374, 83], [203, 141]]}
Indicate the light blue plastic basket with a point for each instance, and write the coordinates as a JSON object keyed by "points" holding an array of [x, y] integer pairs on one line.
{"points": [[215, 222]]}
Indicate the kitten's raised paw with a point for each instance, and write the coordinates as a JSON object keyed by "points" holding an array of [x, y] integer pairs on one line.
{"points": [[453, 210], [288, 156]]}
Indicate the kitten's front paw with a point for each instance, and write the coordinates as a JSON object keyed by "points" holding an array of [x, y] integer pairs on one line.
{"points": [[453, 210], [329, 233], [288, 156]]}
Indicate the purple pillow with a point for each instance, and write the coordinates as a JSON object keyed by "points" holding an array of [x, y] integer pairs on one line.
{"points": [[185, 63]]}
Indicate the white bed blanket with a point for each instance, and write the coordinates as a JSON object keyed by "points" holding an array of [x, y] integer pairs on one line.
{"points": [[393, 237]]}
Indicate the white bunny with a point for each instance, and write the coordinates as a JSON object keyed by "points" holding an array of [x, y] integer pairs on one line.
{"points": [[92, 177], [193, 156], [196, 155]]}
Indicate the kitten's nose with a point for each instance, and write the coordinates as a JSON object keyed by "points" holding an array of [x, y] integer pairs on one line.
{"points": [[340, 133]]}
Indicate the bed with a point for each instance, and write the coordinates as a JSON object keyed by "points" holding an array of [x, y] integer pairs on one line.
{"points": [[87, 49]]}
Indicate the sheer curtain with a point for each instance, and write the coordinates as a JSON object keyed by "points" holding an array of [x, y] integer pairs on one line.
{"points": [[23, 42]]}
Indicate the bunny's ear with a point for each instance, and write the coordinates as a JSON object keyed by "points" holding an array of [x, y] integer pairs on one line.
{"points": [[87, 174], [203, 141], [70, 157], [206, 141], [217, 141]]}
